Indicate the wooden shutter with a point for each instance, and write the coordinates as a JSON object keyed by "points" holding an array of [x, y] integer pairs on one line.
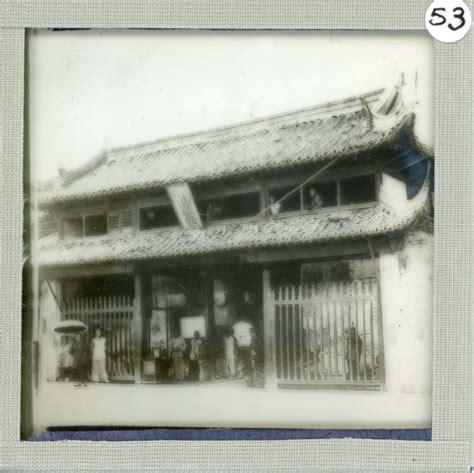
{"points": [[113, 221], [126, 218]]}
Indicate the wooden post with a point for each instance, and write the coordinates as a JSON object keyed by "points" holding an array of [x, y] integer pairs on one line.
{"points": [[380, 313], [269, 331], [209, 292], [137, 334]]}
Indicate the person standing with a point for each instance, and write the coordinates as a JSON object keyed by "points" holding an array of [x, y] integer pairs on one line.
{"points": [[163, 361], [195, 360], [353, 354], [99, 372], [230, 351], [178, 348]]}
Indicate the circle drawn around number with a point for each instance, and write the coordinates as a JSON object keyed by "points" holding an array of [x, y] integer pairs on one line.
{"points": [[448, 21]]}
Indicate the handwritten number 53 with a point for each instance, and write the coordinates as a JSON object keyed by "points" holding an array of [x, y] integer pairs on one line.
{"points": [[438, 18]]}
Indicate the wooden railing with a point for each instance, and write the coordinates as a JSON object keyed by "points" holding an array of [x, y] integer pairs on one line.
{"points": [[329, 334], [114, 316]]}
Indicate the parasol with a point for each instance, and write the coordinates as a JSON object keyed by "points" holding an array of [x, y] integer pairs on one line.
{"points": [[70, 326]]}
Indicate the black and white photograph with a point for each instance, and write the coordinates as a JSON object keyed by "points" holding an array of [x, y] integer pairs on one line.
{"points": [[230, 229]]}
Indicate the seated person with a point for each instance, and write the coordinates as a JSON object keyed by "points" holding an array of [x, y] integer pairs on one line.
{"points": [[275, 207], [315, 200]]}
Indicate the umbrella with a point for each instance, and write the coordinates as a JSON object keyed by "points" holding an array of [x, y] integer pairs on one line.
{"points": [[70, 326]]}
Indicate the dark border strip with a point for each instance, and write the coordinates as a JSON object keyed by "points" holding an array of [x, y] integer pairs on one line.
{"points": [[127, 434]]}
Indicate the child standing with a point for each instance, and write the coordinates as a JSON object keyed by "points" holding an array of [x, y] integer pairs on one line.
{"points": [[99, 372], [66, 359]]}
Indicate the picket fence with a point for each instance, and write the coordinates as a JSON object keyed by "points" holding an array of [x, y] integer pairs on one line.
{"points": [[114, 316], [328, 334]]}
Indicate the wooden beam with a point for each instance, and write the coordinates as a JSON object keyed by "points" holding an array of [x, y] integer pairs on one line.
{"points": [[187, 263], [137, 332], [56, 298], [310, 252], [85, 271], [209, 291], [268, 331]]}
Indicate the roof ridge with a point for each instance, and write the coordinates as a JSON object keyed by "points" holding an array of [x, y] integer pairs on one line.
{"points": [[323, 108], [355, 102], [223, 138]]}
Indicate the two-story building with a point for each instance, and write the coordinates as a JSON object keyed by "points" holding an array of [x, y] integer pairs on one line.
{"points": [[314, 226]]}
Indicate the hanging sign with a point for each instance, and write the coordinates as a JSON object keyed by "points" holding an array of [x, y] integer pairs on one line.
{"points": [[183, 203]]}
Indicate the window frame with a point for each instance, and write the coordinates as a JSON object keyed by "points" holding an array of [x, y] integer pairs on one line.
{"points": [[83, 213], [331, 208]]}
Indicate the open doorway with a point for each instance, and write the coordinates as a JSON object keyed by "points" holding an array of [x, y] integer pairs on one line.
{"points": [[205, 325]]}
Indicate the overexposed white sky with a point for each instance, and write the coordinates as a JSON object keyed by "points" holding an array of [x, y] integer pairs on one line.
{"points": [[89, 90]]}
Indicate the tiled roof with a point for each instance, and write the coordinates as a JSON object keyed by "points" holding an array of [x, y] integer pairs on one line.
{"points": [[306, 136], [318, 227]]}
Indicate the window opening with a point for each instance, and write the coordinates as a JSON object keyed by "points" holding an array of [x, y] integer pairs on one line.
{"points": [[357, 190], [157, 217], [95, 225], [320, 194], [290, 204], [73, 227], [229, 207]]}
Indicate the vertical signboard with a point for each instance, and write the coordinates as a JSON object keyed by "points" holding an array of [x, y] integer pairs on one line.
{"points": [[184, 205]]}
